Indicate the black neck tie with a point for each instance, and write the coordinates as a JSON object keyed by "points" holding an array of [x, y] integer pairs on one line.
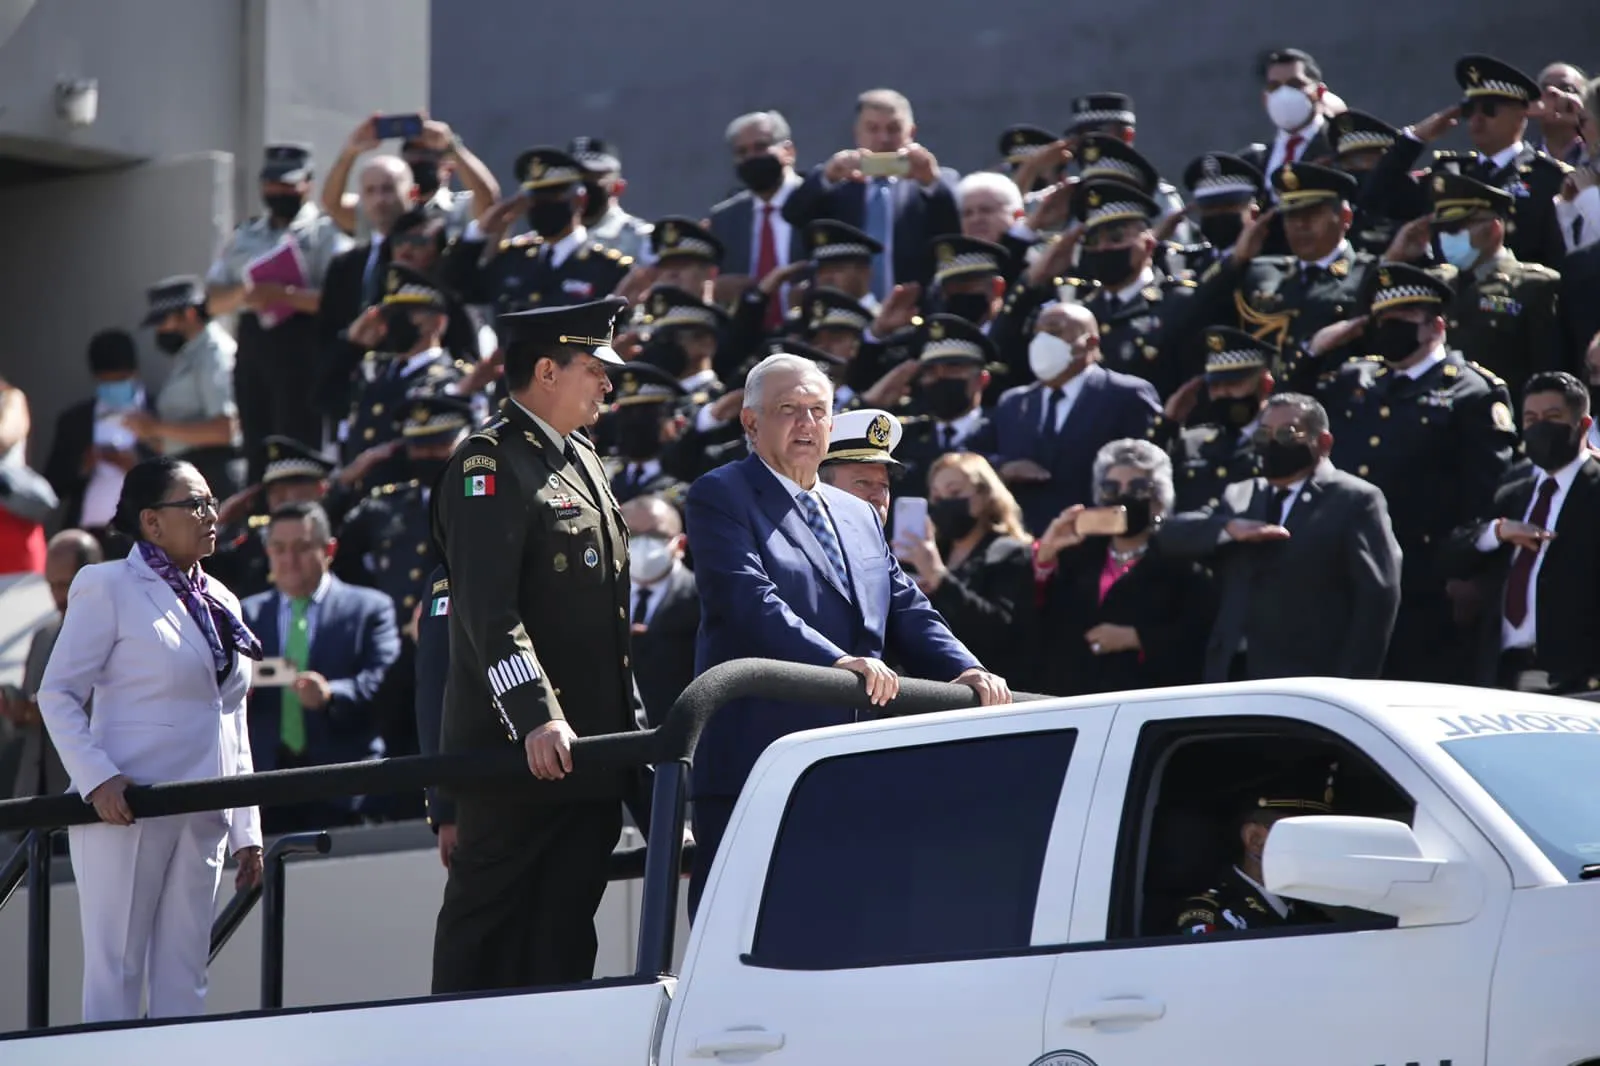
{"points": [[641, 605], [571, 453], [1052, 409], [947, 438], [1280, 497]]}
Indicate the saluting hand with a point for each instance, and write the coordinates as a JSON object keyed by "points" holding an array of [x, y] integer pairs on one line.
{"points": [[549, 750], [1253, 237]]}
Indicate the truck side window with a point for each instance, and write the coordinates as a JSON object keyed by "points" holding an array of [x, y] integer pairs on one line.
{"points": [[906, 854]]}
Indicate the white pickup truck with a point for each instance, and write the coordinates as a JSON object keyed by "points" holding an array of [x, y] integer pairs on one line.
{"points": [[1000, 889]]}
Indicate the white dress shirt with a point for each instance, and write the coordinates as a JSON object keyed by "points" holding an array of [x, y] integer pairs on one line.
{"points": [[1069, 396], [1280, 145], [1290, 500], [654, 594], [794, 490], [1425, 364], [1328, 260], [1147, 276], [963, 427], [556, 254], [1526, 634]]}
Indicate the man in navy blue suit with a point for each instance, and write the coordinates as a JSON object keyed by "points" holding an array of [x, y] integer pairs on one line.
{"points": [[339, 640], [791, 568], [1042, 438], [901, 202]]}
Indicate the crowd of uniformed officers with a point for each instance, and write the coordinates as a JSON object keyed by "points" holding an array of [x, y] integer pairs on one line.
{"points": [[1327, 413]]}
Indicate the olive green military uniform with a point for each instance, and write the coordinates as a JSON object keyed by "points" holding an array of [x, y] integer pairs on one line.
{"points": [[537, 553], [1505, 319]]}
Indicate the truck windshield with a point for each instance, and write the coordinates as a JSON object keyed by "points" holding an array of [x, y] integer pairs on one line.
{"points": [[1550, 785]]}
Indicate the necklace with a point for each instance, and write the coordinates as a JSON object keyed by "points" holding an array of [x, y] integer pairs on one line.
{"points": [[1120, 557]]}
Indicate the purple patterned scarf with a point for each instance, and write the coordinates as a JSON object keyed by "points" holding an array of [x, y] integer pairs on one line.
{"points": [[208, 612]]}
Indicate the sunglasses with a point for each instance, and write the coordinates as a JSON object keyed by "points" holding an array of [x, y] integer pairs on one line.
{"points": [[1490, 108], [1139, 488], [412, 240], [1282, 435], [199, 506]]}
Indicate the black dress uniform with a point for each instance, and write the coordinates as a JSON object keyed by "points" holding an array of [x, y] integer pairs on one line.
{"points": [[537, 553], [1222, 187], [647, 398], [1152, 333], [386, 379], [1206, 458], [947, 340], [1285, 301], [433, 668], [240, 561], [1437, 444], [1359, 142], [528, 270], [1504, 315]]}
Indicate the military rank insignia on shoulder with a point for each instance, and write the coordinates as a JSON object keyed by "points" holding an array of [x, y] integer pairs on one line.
{"points": [[490, 434], [1501, 414], [259, 521], [1489, 375]]}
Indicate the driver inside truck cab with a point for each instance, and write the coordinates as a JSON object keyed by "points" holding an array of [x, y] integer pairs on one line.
{"points": [[1238, 898]]}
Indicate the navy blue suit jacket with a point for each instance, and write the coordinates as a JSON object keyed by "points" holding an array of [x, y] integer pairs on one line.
{"points": [[353, 645], [1110, 407], [920, 215], [767, 591]]}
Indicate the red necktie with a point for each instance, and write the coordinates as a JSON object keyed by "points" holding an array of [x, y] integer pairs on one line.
{"points": [[1291, 146], [766, 263], [1522, 562]]}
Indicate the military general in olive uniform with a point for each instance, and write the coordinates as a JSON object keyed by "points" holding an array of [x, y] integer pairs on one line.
{"points": [[537, 553], [1208, 457], [1432, 431]]}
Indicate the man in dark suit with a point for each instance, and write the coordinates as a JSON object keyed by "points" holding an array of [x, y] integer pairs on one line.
{"points": [[664, 608], [1042, 438], [339, 640], [792, 568], [756, 237], [1540, 554], [888, 186], [92, 449], [1304, 533], [1580, 312], [1293, 93]]}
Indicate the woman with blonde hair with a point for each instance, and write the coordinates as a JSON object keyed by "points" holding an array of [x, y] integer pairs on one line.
{"points": [[976, 567]]}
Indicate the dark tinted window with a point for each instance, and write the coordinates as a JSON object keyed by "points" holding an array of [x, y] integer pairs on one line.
{"points": [[892, 856]]}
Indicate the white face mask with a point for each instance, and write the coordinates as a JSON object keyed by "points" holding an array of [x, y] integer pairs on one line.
{"points": [[649, 559], [1289, 108], [1049, 356]]}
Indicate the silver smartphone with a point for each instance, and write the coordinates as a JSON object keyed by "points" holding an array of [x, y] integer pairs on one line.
{"points": [[274, 673], [910, 516]]}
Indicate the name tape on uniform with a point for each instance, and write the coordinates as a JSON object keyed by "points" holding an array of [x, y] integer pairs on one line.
{"points": [[1474, 725], [478, 462]]}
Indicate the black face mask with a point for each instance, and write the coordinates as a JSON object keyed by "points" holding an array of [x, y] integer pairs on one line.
{"points": [[665, 353], [972, 306], [170, 341], [952, 519], [638, 432], [427, 471], [1108, 266], [1280, 460], [760, 173], [1394, 339], [283, 206], [425, 175], [1551, 445], [400, 334], [598, 202], [1138, 508], [946, 398], [1222, 231], [1237, 412], [550, 218]]}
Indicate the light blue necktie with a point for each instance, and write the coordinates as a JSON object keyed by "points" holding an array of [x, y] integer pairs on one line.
{"points": [[879, 219], [825, 535]]}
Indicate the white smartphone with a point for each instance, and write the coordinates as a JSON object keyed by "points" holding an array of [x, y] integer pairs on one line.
{"points": [[274, 673], [910, 516]]}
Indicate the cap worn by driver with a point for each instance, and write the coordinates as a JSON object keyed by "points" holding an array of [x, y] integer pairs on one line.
{"points": [[588, 327]]}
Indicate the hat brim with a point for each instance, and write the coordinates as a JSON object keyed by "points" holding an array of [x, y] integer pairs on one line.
{"points": [[288, 175], [1290, 202], [606, 354], [863, 455], [599, 164], [156, 314]]}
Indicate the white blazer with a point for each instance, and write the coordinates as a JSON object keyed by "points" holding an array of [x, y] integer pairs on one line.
{"points": [[159, 714]]}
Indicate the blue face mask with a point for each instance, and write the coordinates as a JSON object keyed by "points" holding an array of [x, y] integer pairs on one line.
{"points": [[117, 393], [1457, 249]]}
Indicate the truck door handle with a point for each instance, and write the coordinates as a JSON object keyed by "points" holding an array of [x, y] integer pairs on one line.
{"points": [[737, 1042], [1117, 1011]]}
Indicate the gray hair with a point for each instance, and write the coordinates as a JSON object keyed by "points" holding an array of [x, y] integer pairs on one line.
{"points": [[1144, 457], [755, 383], [1310, 415], [886, 100], [776, 125], [989, 181], [399, 168]]}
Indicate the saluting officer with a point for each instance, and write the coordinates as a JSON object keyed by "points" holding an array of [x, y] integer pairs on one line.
{"points": [[555, 264], [645, 419], [1286, 300], [1227, 192], [1208, 457], [412, 359], [1431, 430], [1504, 314], [537, 552], [603, 183], [951, 377], [1359, 142]]}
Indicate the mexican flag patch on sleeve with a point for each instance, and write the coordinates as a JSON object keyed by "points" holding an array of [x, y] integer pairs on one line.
{"points": [[482, 485], [441, 606]]}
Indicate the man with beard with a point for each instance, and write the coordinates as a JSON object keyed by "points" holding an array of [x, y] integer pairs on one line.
{"points": [[275, 373], [644, 419], [1208, 457], [951, 378], [603, 186], [555, 265]]}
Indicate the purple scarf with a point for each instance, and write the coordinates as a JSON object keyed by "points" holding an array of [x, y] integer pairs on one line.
{"points": [[208, 612]]}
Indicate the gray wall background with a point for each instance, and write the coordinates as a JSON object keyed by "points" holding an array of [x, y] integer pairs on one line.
{"points": [[662, 80]]}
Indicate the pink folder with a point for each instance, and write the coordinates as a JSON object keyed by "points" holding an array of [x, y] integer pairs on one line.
{"points": [[284, 265]]}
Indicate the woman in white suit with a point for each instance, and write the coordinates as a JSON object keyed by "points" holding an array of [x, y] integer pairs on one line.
{"points": [[166, 660]]}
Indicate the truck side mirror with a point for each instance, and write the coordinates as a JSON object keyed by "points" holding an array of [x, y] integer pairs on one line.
{"points": [[1373, 864]]}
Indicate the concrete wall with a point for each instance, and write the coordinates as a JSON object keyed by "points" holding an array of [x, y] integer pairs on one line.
{"points": [[664, 79]]}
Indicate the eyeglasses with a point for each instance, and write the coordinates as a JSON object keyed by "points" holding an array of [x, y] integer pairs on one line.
{"points": [[1139, 488], [199, 506], [411, 240], [1489, 108], [1281, 434]]}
